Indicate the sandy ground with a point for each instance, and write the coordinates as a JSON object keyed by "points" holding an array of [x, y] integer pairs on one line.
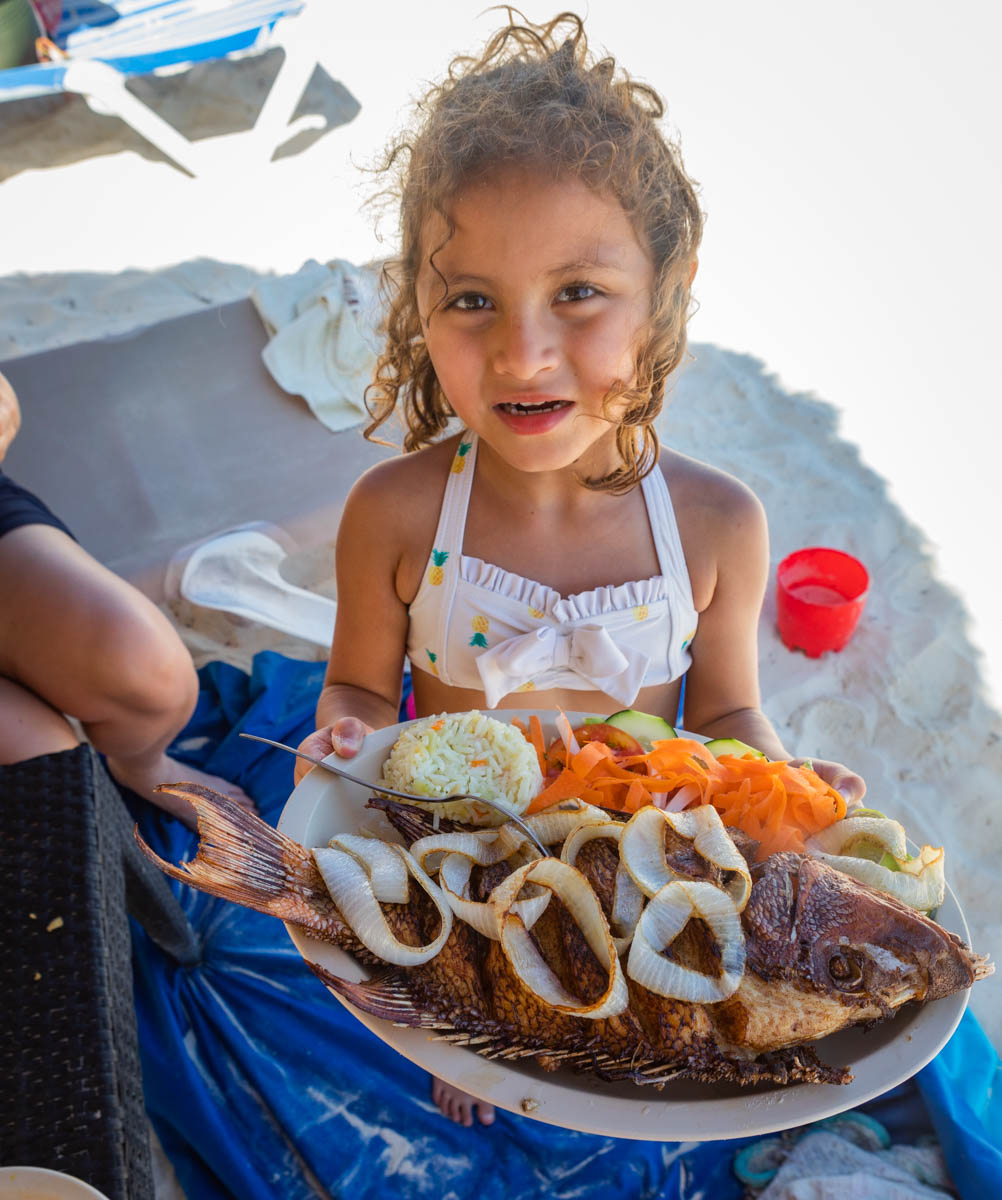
{"points": [[115, 237]]}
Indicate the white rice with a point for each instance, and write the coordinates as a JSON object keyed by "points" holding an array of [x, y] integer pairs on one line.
{"points": [[465, 752]]}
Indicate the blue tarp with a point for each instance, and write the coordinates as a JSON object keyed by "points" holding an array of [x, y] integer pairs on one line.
{"points": [[262, 1087]]}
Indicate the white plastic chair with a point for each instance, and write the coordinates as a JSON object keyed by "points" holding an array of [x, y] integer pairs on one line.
{"points": [[99, 44]]}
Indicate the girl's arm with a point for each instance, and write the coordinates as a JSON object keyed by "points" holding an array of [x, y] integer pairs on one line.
{"points": [[362, 685], [722, 688]]}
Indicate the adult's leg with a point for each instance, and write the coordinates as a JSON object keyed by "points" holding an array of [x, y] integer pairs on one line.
{"points": [[29, 727], [92, 646]]}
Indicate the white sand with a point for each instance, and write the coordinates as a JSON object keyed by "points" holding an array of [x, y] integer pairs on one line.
{"points": [[905, 703]]}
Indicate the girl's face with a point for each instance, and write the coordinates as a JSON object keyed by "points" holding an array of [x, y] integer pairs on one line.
{"points": [[547, 296]]}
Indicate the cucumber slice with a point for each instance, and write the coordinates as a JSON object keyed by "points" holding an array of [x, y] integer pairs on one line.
{"points": [[645, 727], [731, 746]]}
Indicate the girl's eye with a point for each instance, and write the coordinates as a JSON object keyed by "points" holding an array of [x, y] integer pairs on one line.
{"points": [[577, 291], [470, 302]]}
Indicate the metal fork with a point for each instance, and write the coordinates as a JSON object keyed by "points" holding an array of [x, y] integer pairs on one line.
{"points": [[383, 790]]}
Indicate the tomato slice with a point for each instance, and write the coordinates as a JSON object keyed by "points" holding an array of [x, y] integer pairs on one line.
{"points": [[616, 739]]}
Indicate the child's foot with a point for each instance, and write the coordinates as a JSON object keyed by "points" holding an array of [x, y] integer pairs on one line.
{"points": [[143, 779], [459, 1106]]}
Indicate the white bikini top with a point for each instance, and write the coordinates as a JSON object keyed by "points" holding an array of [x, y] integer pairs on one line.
{"points": [[474, 625]]}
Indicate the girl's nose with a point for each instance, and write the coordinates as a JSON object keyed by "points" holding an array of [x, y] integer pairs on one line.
{"points": [[525, 347]]}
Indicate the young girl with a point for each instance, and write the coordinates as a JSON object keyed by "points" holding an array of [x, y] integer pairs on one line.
{"points": [[552, 552]]}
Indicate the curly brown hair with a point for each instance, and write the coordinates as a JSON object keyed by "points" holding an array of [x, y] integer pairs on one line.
{"points": [[535, 97]]}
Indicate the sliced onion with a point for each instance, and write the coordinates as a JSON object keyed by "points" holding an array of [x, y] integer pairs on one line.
{"points": [[563, 727], [554, 824], [454, 880], [484, 847], [642, 849], [521, 951], [348, 882], [386, 870], [663, 920], [842, 837], [627, 899], [710, 839], [919, 882], [682, 798]]}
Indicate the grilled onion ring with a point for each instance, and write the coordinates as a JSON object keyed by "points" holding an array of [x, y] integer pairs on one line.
{"points": [[627, 899], [484, 846], [454, 880], [554, 824], [387, 871], [529, 965], [663, 920], [642, 849], [348, 881]]}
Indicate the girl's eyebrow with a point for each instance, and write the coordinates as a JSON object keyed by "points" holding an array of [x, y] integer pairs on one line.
{"points": [[597, 261], [602, 260]]}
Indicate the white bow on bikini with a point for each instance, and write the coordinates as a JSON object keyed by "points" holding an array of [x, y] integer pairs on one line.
{"points": [[588, 651]]}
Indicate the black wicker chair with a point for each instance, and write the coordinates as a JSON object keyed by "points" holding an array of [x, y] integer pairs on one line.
{"points": [[70, 871]]}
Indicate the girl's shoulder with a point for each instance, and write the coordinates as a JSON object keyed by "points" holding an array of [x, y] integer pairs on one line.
{"points": [[721, 521], [697, 487], [406, 488]]}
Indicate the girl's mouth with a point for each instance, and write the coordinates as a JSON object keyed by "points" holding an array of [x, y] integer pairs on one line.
{"points": [[533, 415], [529, 408]]}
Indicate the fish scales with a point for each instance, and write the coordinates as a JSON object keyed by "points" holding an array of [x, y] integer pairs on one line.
{"points": [[823, 952]]}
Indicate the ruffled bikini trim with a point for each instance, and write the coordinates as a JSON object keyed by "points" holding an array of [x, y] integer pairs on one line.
{"points": [[581, 606]]}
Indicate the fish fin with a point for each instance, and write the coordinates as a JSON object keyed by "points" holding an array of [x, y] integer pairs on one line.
{"points": [[798, 1064], [412, 821], [387, 995], [243, 859]]}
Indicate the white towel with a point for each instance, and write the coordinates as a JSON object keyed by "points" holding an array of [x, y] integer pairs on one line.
{"points": [[824, 1166], [323, 321], [239, 572]]}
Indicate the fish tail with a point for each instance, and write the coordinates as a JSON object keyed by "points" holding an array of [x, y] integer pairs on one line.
{"points": [[243, 859]]}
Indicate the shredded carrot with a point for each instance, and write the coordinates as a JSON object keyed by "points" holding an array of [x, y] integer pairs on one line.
{"points": [[777, 804], [520, 726], [564, 787], [478, 762], [438, 725]]}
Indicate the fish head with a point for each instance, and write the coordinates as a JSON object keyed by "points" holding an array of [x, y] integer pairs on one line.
{"points": [[857, 942]]}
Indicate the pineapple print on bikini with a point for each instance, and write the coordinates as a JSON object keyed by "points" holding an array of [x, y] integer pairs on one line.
{"points": [[435, 572]]}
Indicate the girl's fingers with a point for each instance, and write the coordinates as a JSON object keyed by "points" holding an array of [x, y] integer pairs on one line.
{"points": [[347, 735], [317, 745], [851, 786]]}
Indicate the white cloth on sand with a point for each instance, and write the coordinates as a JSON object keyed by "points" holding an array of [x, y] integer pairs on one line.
{"points": [[824, 1166], [324, 345], [239, 572]]}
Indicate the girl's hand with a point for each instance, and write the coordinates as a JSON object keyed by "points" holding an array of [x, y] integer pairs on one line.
{"points": [[343, 738], [851, 785]]}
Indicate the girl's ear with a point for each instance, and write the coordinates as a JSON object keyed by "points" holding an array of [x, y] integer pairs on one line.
{"points": [[693, 268]]}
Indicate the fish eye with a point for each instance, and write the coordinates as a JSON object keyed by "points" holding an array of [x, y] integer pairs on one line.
{"points": [[845, 971]]}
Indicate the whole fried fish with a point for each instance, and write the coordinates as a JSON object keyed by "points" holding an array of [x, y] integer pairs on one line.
{"points": [[823, 952]]}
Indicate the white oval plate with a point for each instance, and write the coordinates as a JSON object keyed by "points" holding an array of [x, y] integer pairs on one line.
{"points": [[323, 805], [39, 1183]]}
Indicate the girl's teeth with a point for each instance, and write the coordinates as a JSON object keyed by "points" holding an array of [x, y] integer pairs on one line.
{"points": [[532, 408]]}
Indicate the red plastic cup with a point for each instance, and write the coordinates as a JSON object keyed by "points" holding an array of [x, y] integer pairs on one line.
{"points": [[819, 596]]}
